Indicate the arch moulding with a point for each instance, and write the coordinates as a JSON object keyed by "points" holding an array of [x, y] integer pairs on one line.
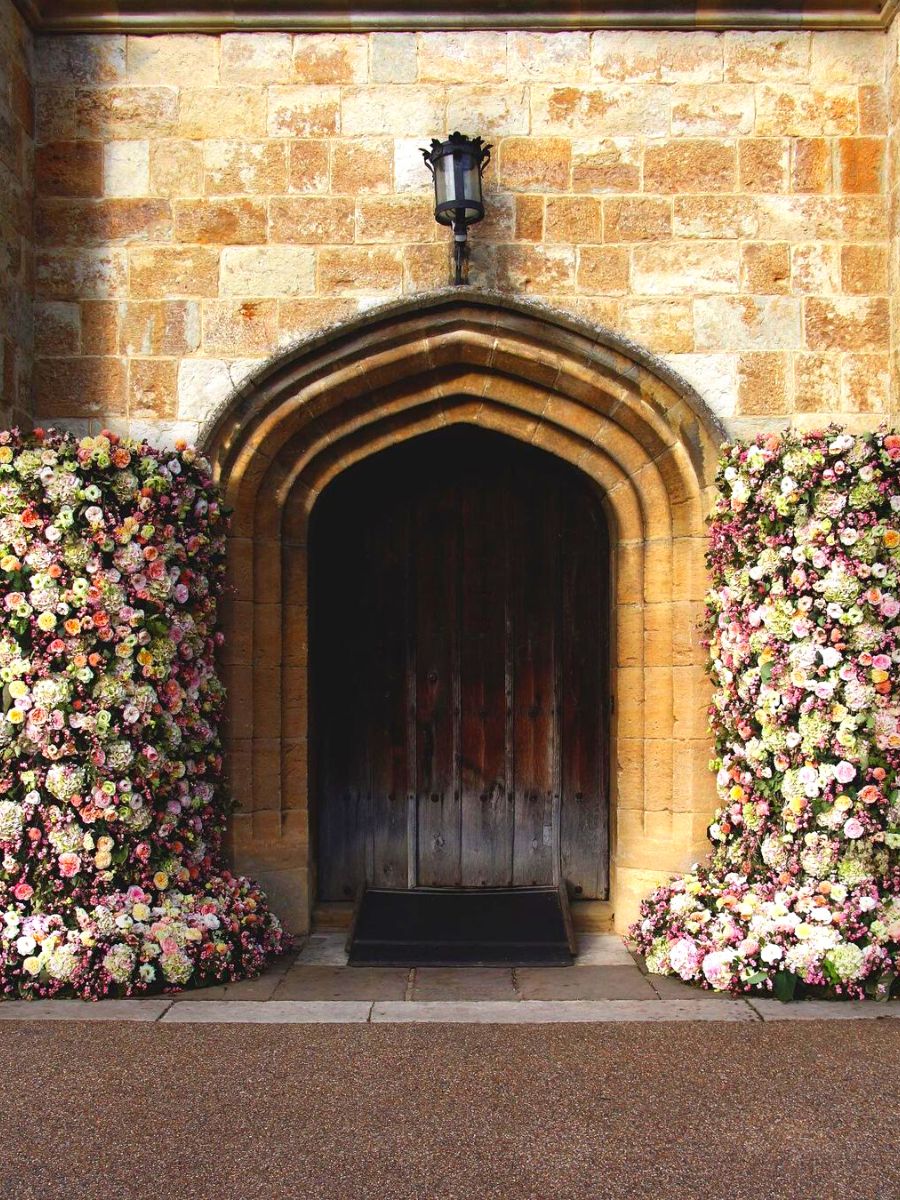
{"points": [[580, 393]]}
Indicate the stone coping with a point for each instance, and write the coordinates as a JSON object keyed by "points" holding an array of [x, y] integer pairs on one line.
{"points": [[366, 15]]}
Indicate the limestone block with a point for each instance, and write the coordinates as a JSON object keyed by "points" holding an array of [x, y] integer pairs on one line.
{"points": [[815, 268], [616, 111], [529, 218], [363, 166], [179, 60], [410, 172], [77, 274], [496, 111], [125, 112], [606, 165], [765, 267], [572, 220], [82, 387], [865, 383], [239, 111], [234, 222], [102, 222], [165, 271], [244, 167], [692, 693], [535, 268], [861, 164], [603, 270], [395, 219], [353, 270], [796, 110], [721, 111], [873, 114], [331, 58], [311, 111], [386, 109], [717, 216], [57, 328], [176, 167], [817, 382], [848, 56], [649, 55], [636, 219], [679, 268], [80, 59], [847, 323], [461, 57], [665, 325], [393, 57], [535, 164], [126, 168], [864, 268], [563, 57], [205, 383], [267, 271], [765, 57], [308, 165], [747, 323], [153, 327], [763, 384], [152, 385], [99, 326], [714, 376], [763, 164], [256, 58], [311, 219], [689, 165], [69, 169], [243, 328], [54, 113], [810, 165], [298, 318]]}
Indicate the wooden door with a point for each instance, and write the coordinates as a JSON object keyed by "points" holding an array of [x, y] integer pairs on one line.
{"points": [[459, 633]]}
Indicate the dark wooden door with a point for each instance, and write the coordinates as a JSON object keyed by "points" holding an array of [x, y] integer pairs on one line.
{"points": [[459, 634]]}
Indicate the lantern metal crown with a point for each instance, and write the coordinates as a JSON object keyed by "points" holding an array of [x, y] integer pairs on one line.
{"points": [[457, 166]]}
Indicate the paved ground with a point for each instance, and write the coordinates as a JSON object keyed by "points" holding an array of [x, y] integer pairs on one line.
{"points": [[316, 986], [644, 1112]]}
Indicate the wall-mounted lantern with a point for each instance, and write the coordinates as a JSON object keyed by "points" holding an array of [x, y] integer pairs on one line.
{"points": [[456, 166]]}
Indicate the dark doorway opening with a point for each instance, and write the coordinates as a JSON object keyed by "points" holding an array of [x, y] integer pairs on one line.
{"points": [[459, 636]]}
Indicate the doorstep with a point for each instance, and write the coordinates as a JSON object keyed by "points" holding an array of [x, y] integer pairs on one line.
{"points": [[315, 986]]}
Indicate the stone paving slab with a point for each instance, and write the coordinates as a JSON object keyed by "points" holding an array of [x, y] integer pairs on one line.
{"points": [[602, 950], [667, 987], [463, 983], [586, 983], [545, 1012], [825, 1010], [150, 1008], [272, 1012], [325, 950], [343, 983]]}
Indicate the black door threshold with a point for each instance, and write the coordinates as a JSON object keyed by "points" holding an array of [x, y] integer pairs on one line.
{"points": [[456, 927]]}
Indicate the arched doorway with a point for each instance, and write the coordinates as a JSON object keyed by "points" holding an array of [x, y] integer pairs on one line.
{"points": [[586, 397], [459, 646]]}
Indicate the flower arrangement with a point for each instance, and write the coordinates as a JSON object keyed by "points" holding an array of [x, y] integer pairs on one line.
{"points": [[802, 890], [112, 808]]}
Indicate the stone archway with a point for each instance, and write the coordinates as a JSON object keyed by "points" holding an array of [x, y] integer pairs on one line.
{"points": [[580, 393]]}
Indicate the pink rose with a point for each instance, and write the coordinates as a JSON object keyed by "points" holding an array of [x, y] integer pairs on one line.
{"points": [[844, 772], [853, 828], [69, 864], [23, 891]]}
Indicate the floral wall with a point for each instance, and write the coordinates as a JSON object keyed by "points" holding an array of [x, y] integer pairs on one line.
{"points": [[16, 214], [721, 198]]}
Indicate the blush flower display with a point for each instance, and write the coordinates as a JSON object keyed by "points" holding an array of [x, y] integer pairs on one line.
{"points": [[802, 889], [112, 807]]}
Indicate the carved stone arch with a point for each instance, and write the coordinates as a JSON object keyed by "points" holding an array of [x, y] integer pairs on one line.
{"points": [[580, 393]]}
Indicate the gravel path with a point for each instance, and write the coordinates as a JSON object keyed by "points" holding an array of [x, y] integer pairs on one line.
{"points": [[714, 1112]]}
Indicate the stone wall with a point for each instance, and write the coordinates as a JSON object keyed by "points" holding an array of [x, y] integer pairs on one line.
{"points": [[16, 216], [721, 199]]}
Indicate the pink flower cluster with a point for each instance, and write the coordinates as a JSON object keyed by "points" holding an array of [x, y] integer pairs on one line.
{"points": [[802, 890], [112, 808]]}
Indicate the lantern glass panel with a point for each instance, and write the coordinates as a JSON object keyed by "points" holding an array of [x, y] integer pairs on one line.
{"points": [[445, 180]]}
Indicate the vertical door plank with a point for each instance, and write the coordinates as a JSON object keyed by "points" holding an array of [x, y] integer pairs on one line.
{"points": [[385, 695], [583, 832], [437, 516], [487, 810], [534, 575]]}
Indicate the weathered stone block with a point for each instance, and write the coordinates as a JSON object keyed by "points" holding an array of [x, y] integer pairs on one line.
{"points": [[152, 388], [69, 169], [864, 268], [203, 385], [99, 222], [263, 271], [238, 111], [817, 382], [679, 268], [666, 324], [572, 220], [529, 218], [308, 166], [265, 58], [395, 219], [163, 271], [603, 270], [242, 167], [763, 164], [815, 268], [617, 110], [860, 164], [765, 267], [847, 323], [847, 56], [331, 58], [363, 166], [563, 57], [716, 217], [306, 112], [535, 164], [80, 387], [81, 274], [311, 219], [606, 165], [57, 328], [865, 383], [535, 268], [723, 111], [648, 55], [766, 57], [683, 165], [636, 219], [763, 385], [298, 318], [240, 327], [235, 222], [404, 112], [795, 110], [358, 270], [176, 167], [176, 60], [810, 165], [159, 328], [393, 57], [79, 58], [99, 327], [126, 168], [747, 323], [496, 111], [125, 112], [462, 57]]}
